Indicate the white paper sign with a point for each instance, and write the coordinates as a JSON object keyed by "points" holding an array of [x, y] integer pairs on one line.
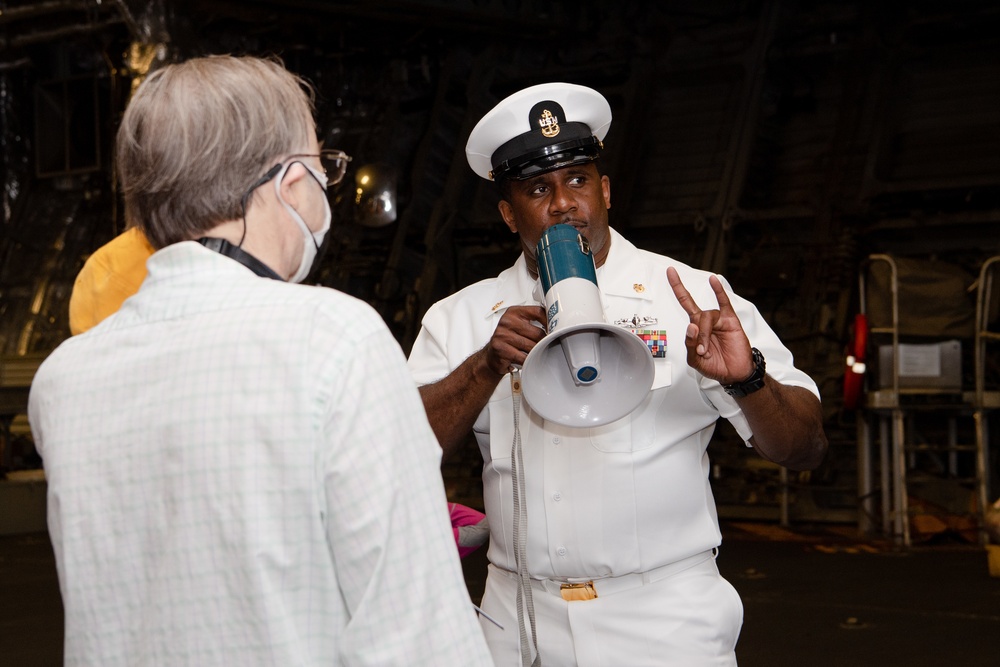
{"points": [[919, 361]]}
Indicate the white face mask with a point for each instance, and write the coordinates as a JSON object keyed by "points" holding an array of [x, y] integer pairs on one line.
{"points": [[310, 241]]}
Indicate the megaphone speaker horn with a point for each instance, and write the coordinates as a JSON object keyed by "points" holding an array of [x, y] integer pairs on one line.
{"points": [[585, 372]]}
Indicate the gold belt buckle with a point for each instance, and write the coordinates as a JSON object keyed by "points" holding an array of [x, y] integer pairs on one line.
{"points": [[581, 591]]}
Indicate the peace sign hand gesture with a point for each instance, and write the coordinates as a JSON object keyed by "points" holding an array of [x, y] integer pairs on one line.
{"points": [[717, 346]]}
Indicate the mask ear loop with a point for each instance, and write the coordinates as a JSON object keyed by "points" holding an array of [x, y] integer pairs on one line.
{"points": [[312, 172], [271, 173]]}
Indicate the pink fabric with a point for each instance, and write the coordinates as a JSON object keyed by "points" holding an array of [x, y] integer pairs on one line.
{"points": [[462, 515]]}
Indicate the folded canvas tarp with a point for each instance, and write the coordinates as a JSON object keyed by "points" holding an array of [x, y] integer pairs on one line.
{"points": [[936, 298]]}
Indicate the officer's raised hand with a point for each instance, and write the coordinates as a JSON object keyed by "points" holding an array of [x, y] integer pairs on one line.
{"points": [[717, 346]]}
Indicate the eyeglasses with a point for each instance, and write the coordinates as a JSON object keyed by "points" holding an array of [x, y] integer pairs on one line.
{"points": [[334, 163]]}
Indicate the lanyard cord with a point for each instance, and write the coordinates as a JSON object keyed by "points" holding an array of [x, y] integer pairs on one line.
{"points": [[520, 522], [227, 249]]}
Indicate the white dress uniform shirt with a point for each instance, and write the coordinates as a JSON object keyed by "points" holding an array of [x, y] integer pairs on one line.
{"points": [[627, 497], [241, 473]]}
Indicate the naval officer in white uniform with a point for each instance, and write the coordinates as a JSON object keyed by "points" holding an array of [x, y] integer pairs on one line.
{"points": [[617, 547]]}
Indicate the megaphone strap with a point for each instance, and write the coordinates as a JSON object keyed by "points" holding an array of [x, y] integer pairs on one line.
{"points": [[524, 599]]}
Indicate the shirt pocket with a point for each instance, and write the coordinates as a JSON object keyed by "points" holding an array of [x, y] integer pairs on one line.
{"points": [[637, 430], [499, 421]]}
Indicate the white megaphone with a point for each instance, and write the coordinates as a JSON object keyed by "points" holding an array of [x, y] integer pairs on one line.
{"points": [[585, 372]]}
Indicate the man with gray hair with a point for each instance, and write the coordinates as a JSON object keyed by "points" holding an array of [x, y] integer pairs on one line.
{"points": [[240, 468]]}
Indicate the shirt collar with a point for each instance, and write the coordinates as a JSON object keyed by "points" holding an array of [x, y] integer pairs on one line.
{"points": [[514, 287], [624, 274]]}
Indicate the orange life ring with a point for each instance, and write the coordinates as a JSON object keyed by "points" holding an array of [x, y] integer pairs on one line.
{"points": [[854, 374]]}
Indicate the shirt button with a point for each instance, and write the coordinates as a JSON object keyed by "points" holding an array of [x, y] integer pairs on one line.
{"points": [[561, 551], [557, 496]]}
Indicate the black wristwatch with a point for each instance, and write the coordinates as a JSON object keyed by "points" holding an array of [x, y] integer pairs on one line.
{"points": [[752, 383]]}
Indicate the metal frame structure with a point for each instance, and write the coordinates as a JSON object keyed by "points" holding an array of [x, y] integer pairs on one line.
{"points": [[893, 413]]}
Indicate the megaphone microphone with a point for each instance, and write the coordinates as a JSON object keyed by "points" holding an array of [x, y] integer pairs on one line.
{"points": [[585, 372]]}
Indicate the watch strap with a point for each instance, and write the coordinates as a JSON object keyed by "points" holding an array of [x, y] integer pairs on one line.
{"points": [[755, 382]]}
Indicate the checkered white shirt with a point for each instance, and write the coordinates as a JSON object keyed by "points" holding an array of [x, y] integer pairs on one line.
{"points": [[240, 472]]}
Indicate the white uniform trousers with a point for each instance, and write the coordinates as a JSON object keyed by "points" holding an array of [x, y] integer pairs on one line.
{"points": [[687, 616]]}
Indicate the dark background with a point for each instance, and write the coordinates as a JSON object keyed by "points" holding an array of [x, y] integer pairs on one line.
{"points": [[779, 143]]}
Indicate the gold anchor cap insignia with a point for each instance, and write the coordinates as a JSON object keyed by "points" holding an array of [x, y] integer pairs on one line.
{"points": [[549, 124]]}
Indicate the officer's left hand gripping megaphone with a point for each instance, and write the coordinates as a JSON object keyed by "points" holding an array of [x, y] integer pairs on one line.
{"points": [[585, 372]]}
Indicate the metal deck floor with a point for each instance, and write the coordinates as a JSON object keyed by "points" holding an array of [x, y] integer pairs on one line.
{"points": [[815, 597]]}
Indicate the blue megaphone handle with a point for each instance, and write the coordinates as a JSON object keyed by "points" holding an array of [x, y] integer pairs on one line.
{"points": [[562, 253]]}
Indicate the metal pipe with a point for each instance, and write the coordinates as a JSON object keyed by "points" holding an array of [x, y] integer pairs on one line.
{"points": [[9, 14], [15, 64], [52, 35]]}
